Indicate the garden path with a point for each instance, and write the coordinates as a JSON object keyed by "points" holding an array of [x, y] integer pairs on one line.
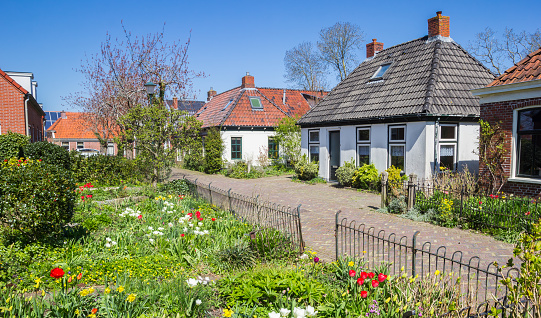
{"points": [[320, 202]]}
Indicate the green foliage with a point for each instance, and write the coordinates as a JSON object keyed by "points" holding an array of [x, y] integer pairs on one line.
{"points": [[397, 205], [177, 187], [288, 136], [238, 256], [239, 170], [492, 155], [394, 177], [306, 170], [105, 170], [48, 153], [12, 145], [367, 177], [214, 148], [345, 173], [271, 244], [37, 198]]}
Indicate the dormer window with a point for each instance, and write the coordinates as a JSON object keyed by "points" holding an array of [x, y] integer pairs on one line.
{"points": [[379, 73], [256, 103]]}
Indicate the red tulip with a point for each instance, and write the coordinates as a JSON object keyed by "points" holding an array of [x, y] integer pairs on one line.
{"points": [[80, 275], [382, 277], [364, 294], [352, 273], [57, 273], [371, 275], [360, 281], [70, 279], [140, 216], [181, 235], [364, 275], [375, 283], [213, 219]]}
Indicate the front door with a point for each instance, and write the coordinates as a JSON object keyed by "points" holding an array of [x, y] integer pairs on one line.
{"points": [[334, 152]]}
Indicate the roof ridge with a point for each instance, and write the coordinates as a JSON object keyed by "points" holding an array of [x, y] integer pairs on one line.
{"points": [[13, 82], [241, 92], [434, 71], [275, 105]]}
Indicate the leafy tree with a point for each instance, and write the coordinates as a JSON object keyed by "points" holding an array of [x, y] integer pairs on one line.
{"points": [[500, 52], [305, 67], [158, 133], [492, 155], [288, 136], [338, 45], [214, 148]]}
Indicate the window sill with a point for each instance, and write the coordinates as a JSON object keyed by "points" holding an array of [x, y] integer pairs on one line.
{"points": [[525, 180]]}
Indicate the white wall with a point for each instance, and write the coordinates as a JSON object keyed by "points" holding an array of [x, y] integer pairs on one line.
{"points": [[468, 143], [25, 80], [252, 142]]}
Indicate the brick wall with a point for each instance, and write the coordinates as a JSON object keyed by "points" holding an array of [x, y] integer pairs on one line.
{"points": [[11, 108], [503, 112], [35, 122]]}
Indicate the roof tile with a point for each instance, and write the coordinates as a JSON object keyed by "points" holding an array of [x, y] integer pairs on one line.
{"points": [[528, 69]]}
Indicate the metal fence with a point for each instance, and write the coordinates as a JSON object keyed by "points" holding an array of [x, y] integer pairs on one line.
{"points": [[472, 210], [262, 214], [480, 283]]}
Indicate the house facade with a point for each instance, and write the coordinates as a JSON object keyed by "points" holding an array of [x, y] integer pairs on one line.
{"points": [[407, 106], [247, 115], [513, 100], [19, 110], [73, 132]]}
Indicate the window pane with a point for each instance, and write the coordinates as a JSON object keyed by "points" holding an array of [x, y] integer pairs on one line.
{"points": [[382, 69], [447, 156], [448, 132], [236, 147], [314, 153], [66, 145], [530, 119], [314, 136], [397, 133], [529, 163], [363, 155], [80, 145], [363, 135], [256, 103], [273, 148], [397, 157]]}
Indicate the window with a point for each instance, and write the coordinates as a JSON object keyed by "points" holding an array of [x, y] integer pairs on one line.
{"points": [[363, 146], [80, 145], [273, 148], [381, 70], [447, 146], [236, 148], [447, 156], [256, 103], [447, 132], [66, 145], [110, 148], [397, 156], [397, 147], [529, 143], [313, 145], [397, 133], [227, 105]]}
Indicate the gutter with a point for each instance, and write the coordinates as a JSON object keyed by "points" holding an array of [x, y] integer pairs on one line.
{"points": [[27, 98]]}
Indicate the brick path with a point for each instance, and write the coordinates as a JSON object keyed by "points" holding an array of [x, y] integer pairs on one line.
{"points": [[320, 202]]}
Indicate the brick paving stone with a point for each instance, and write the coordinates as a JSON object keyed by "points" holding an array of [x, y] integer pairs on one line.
{"points": [[320, 202]]}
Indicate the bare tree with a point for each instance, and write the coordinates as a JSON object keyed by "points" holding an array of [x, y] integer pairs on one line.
{"points": [[339, 45], [305, 67], [501, 52], [115, 77]]}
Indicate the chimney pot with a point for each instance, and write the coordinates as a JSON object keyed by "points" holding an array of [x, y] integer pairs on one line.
{"points": [[211, 93], [373, 47], [248, 81], [63, 115], [438, 25]]}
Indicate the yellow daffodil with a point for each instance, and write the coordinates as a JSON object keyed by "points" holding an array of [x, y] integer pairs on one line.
{"points": [[107, 290], [437, 272], [120, 289], [228, 312], [130, 298], [350, 264], [77, 312], [37, 281]]}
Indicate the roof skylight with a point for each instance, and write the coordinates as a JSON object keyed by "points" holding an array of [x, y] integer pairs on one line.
{"points": [[227, 105], [381, 70], [256, 103]]}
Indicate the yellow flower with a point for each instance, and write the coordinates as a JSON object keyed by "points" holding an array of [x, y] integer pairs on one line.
{"points": [[107, 290], [120, 289], [42, 293], [38, 280], [90, 290], [130, 298], [84, 292], [437, 272], [350, 264], [77, 312], [228, 312]]}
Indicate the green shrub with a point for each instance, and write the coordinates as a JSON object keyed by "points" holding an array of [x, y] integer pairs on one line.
{"points": [[12, 145], [105, 170], [345, 173], [306, 170], [48, 153], [367, 177], [394, 177], [239, 170], [178, 186], [214, 148], [398, 205], [238, 256], [37, 198]]}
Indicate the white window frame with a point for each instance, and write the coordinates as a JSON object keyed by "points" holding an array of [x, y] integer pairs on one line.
{"points": [[374, 77], [363, 143], [110, 145], [62, 144], [81, 143], [448, 139], [312, 143], [397, 140], [448, 142], [403, 145], [252, 105], [455, 153]]}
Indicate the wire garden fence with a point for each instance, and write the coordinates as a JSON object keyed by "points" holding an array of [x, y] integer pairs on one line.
{"points": [[272, 222]]}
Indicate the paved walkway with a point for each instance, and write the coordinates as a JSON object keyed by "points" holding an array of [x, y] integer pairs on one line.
{"points": [[320, 202]]}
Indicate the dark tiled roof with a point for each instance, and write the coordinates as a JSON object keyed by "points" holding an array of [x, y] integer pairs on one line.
{"points": [[528, 69], [190, 106], [239, 111], [425, 77]]}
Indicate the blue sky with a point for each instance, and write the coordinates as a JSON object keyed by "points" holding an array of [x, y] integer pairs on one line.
{"points": [[228, 38]]}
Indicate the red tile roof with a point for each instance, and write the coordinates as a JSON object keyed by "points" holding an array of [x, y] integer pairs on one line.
{"points": [[13, 82], [528, 69], [74, 126], [239, 112]]}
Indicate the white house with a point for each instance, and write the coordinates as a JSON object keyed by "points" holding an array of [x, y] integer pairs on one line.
{"points": [[247, 115], [409, 106]]}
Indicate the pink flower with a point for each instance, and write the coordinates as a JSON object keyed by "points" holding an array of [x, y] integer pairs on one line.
{"points": [[316, 259]]}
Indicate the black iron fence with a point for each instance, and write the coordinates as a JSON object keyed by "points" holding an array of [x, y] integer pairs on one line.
{"points": [[480, 283], [262, 214], [456, 207]]}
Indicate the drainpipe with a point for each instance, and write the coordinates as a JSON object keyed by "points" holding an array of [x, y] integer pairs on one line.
{"points": [[436, 143], [27, 98]]}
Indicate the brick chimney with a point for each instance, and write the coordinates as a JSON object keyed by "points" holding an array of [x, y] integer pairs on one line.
{"points": [[175, 102], [438, 25], [373, 48], [211, 93], [248, 81]]}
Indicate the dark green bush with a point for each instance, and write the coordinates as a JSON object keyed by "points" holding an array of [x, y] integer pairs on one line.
{"points": [[179, 186], [37, 198], [12, 145], [306, 170], [344, 173], [366, 177], [237, 256], [214, 148], [105, 170], [48, 153]]}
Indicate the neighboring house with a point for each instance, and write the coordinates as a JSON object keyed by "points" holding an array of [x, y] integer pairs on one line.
{"points": [[189, 106], [247, 116], [73, 132], [51, 117], [409, 106], [514, 100], [19, 110]]}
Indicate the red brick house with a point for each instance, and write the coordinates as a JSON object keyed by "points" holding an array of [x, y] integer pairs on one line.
{"points": [[514, 99], [19, 110], [73, 132]]}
